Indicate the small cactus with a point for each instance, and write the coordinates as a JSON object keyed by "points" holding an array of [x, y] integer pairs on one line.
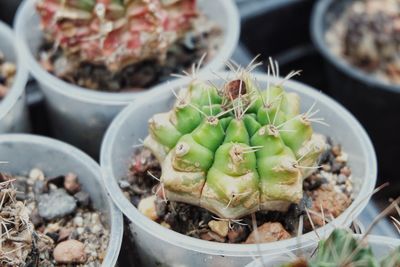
{"points": [[342, 248], [115, 33], [235, 150]]}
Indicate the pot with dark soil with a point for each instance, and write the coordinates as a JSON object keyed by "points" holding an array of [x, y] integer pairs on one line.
{"points": [[55, 209], [231, 165], [359, 41], [92, 58], [13, 78]]}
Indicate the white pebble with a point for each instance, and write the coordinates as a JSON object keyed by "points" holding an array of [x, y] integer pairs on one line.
{"points": [[36, 174], [148, 207], [96, 228], [78, 221], [80, 230]]}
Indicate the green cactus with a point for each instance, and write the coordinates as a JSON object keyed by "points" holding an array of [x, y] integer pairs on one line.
{"points": [[341, 248], [237, 149]]}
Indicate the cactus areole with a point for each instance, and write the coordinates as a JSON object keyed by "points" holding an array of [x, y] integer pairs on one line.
{"points": [[236, 149], [115, 33]]}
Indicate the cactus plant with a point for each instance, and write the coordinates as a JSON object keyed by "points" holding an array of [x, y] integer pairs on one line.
{"points": [[236, 149], [115, 33], [341, 248]]}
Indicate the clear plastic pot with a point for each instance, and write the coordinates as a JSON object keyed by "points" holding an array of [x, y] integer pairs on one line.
{"points": [[24, 152], [157, 244], [13, 109], [381, 246], [80, 116]]}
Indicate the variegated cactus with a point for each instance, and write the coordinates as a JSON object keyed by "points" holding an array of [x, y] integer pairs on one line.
{"points": [[115, 33], [237, 149]]}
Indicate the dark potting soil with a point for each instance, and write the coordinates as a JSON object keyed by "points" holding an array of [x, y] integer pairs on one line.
{"points": [[67, 230], [205, 38], [329, 187], [367, 35], [7, 73]]}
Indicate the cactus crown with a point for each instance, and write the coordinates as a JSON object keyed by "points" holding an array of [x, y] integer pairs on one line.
{"points": [[115, 32], [235, 149]]}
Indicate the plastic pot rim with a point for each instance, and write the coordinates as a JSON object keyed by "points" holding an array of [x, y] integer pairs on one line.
{"points": [[21, 76], [116, 219], [215, 248], [27, 10], [318, 37]]}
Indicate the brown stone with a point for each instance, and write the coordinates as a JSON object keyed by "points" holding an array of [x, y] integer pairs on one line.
{"points": [[268, 232], [70, 251], [71, 183], [333, 204]]}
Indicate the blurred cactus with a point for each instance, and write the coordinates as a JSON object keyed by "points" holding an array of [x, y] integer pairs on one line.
{"points": [[115, 33], [236, 149], [342, 248]]}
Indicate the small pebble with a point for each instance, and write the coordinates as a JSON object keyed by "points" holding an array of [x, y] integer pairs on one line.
{"points": [[70, 251], [268, 232], [71, 183], [345, 171], [96, 228], [147, 206], [8, 69], [56, 204], [95, 218], [341, 179], [36, 174], [336, 150], [80, 230], [237, 234], [78, 221], [64, 233], [219, 227]]}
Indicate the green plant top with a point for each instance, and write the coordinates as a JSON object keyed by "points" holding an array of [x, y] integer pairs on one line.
{"points": [[235, 149]]}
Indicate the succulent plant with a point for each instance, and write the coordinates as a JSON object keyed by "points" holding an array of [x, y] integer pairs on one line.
{"points": [[115, 33], [342, 248], [236, 149]]}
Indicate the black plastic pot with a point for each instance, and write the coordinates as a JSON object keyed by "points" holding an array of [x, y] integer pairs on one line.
{"points": [[8, 9], [280, 29], [375, 103]]}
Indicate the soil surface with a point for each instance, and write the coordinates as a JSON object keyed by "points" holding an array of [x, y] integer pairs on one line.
{"points": [[61, 211], [329, 188], [205, 38], [367, 35], [7, 73]]}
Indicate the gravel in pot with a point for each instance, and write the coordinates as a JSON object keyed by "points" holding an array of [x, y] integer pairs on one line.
{"points": [[70, 105], [56, 211], [182, 208], [7, 73], [13, 78], [367, 35]]}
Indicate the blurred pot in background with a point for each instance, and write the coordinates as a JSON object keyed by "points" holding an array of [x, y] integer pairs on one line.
{"points": [[81, 116], [356, 80], [13, 75]]}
